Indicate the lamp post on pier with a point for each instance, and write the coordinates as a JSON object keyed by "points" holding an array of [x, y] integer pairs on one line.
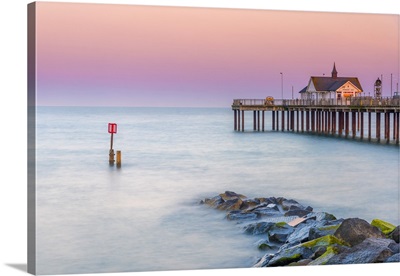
{"points": [[282, 86]]}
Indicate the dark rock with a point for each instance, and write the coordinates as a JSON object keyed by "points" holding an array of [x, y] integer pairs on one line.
{"points": [[231, 204], [395, 234], [240, 215], [264, 260], [249, 203], [258, 228], [322, 229], [322, 216], [301, 262], [318, 252], [297, 212], [354, 231], [228, 195], [395, 247], [279, 232], [290, 204], [266, 244], [301, 232], [290, 255], [371, 250], [266, 206], [214, 201], [268, 212], [393, 259]]}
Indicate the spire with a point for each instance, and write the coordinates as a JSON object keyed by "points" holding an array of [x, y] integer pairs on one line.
{"points": [[334, 72]]}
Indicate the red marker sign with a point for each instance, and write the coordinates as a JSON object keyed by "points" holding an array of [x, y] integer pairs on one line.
{"points": [[112, 128]]}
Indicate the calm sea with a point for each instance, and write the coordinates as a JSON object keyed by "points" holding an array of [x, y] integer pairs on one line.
{"points": [[145, 215]]}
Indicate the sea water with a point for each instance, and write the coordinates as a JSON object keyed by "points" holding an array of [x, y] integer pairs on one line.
{"points": [[92, 217]]}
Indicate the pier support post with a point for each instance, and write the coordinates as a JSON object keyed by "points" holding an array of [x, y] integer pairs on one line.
{"points": [[302, 120], [235, 120], [273, 119], [333, 131], [369, 126], [297, 120], [340, 123], [258, 120], [388, 127], [397, 127], [238, 121], [277, 120], [378, 126], [254, 120], [347, 124], [312, 121], [361, 117], [242, 120], [307, 120], [263, 119], [353, 124], [394, 125], [283, 120]]}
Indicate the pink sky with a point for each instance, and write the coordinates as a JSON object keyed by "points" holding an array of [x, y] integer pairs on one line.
{"points": [[98, 54]]}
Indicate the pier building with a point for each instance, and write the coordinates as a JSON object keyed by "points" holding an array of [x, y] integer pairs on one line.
{"points": [[331, 88]]}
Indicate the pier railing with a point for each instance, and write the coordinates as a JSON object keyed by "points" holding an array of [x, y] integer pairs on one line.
{"points": [[354, 102]]}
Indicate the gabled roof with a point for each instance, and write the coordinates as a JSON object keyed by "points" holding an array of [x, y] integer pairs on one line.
{"points": [[332, 84], [303, 90]]}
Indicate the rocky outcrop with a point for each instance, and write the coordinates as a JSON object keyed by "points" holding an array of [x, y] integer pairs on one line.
{"points": [[297, 235]]}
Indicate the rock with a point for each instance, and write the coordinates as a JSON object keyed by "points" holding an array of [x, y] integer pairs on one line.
{"points": [[268, 211], [228, 195], [249, 203], [258, 228], [393, 259], [266, 244], [240, 215], [330, 252], [297, 212], [279, 232], [264, 260], [371, 250], [354, 231], [301, 262], [290, 204], [301, 232], [384, 226], [395, 234], [213, 202], [322, 229], [322, 216], [290, 255], [324, 241], [230, 204]]}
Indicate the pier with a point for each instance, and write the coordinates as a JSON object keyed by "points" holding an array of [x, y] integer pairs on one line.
{"points": [[364, 118]]}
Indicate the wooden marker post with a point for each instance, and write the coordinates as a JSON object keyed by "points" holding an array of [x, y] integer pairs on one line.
{"points": [[112, 128], [119, 158]]}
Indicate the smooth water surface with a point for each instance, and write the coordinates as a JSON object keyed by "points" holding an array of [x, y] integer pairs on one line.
{"points": [[145, 215]]}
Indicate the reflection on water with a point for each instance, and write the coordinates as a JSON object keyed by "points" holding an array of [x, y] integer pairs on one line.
{"points": [[145, 216]]}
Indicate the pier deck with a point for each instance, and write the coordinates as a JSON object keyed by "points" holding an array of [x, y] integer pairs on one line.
{"points": [[350, 118]]}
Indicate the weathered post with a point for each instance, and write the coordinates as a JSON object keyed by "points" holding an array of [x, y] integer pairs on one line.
{"points": [[119, 158], [112, 128]]}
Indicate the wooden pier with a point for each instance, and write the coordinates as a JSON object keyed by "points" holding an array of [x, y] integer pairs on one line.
{"points": [[363, 118]]}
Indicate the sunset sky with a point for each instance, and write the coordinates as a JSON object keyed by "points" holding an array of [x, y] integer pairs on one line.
{"points": [[129, 55]]}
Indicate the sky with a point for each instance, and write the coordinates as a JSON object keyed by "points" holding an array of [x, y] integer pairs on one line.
{"points": [[135, 55]]}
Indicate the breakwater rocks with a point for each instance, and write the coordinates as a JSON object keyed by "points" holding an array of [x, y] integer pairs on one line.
{"points": [[292, 234]]}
